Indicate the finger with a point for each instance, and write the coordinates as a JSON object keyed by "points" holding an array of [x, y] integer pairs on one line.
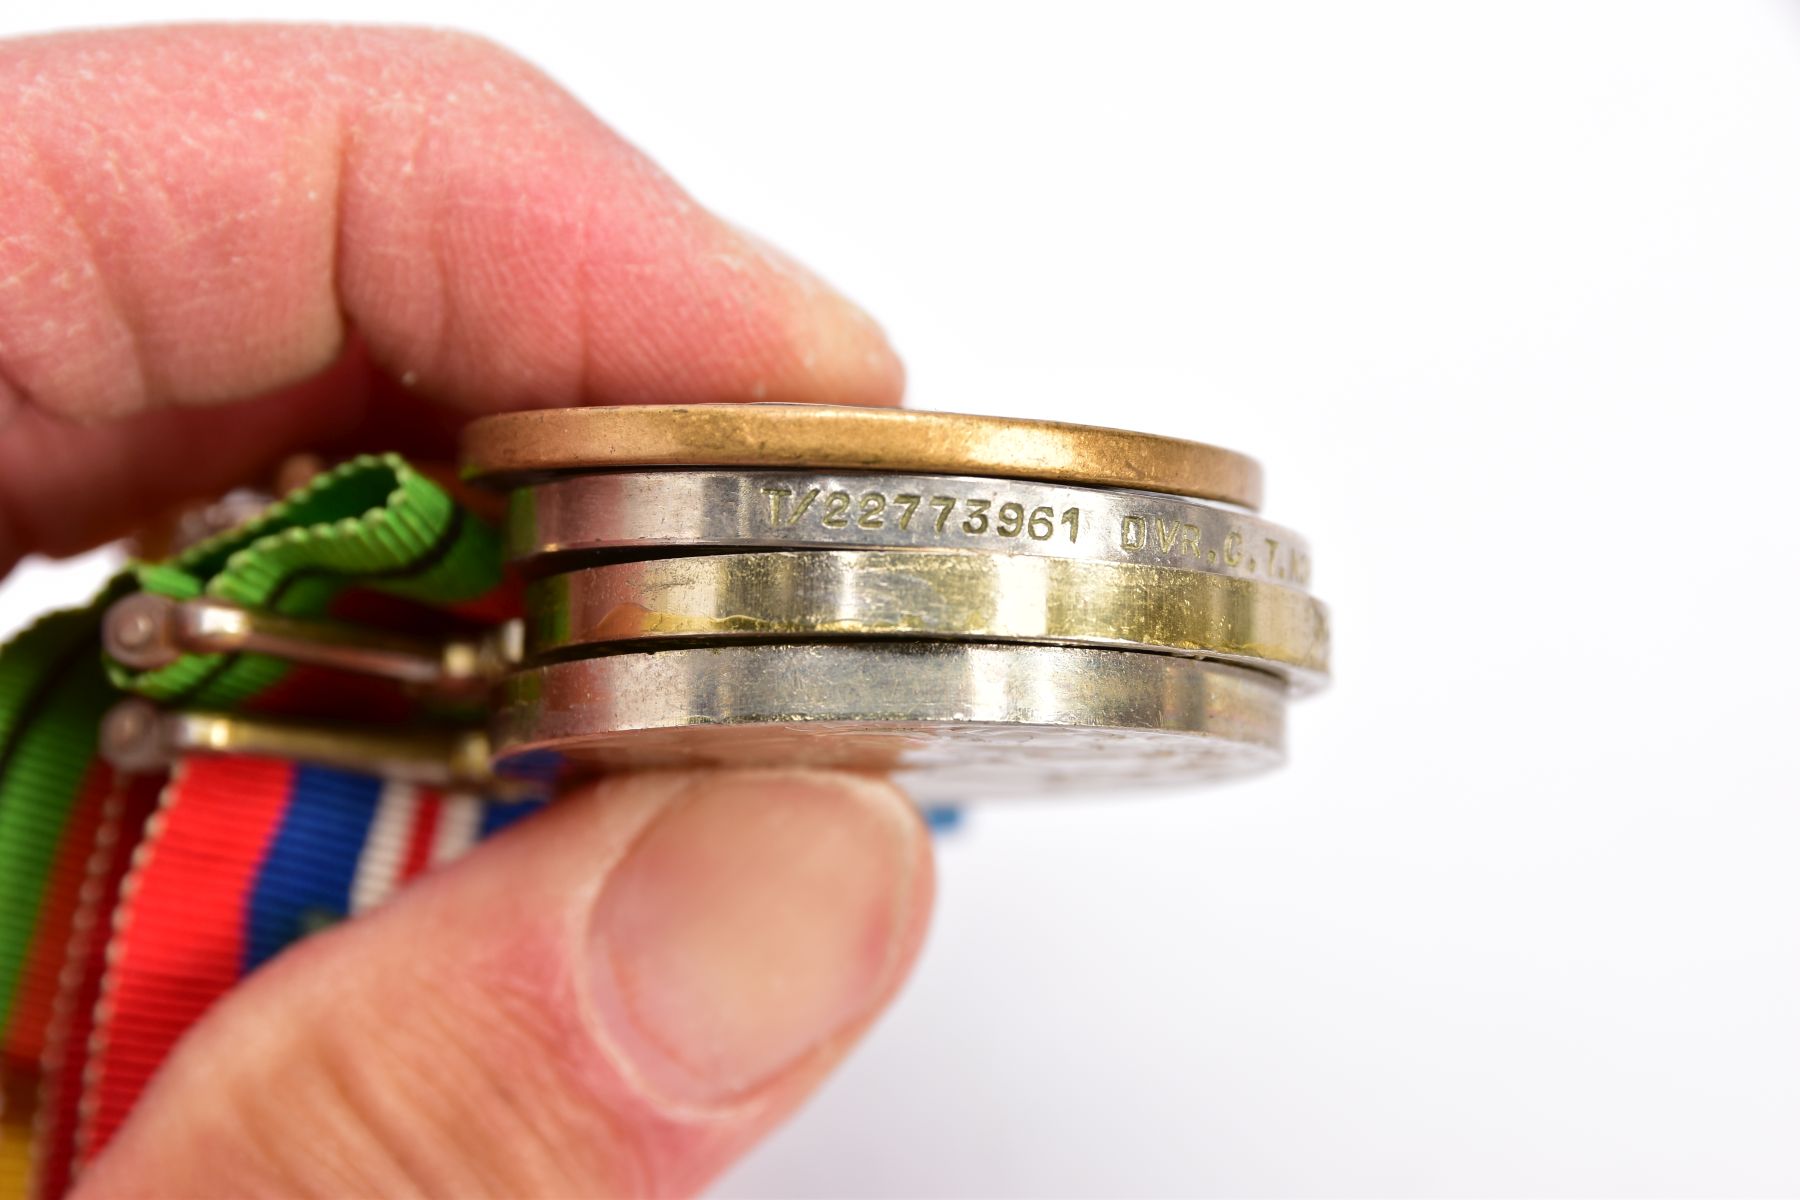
{"points": [[75, 484], [614, 998], [196, 215]]}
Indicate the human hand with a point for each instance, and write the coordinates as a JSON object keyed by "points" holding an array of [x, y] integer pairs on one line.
{"points": [[221, 245]]}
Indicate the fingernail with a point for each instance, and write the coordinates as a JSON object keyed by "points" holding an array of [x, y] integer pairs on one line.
{"points": [[755, 918]]}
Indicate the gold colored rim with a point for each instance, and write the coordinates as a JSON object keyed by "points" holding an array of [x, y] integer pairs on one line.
{"points": [[935, 595], [837, 437]]}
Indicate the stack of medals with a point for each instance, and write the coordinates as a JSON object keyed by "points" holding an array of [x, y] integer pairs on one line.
{"points": [[279, 725], [977, 606]]}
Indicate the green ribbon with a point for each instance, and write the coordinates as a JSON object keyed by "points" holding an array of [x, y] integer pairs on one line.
{"points": [[374, 522]]}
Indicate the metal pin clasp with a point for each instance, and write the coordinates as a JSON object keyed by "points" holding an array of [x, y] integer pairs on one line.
{"points": [[136, 736], [145, 631]]}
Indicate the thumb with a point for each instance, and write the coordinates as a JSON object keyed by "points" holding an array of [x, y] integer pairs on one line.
{"points": [[617, 996]]}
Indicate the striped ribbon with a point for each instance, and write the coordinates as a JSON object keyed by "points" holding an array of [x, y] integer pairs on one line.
{"points": [[243, 857], [52, 693], [128, 906]]}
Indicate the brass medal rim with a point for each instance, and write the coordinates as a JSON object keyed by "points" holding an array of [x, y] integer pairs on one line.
{"points": [[936, 595], [509, 447]]}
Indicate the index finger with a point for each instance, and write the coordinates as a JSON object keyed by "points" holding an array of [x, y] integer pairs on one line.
{"points": [[191, 216]]}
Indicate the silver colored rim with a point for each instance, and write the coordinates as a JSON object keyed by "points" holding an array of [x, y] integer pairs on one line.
{"points": [[657, 511], [949, 720]]}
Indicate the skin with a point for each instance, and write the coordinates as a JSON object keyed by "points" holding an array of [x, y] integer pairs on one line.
{"points": [[222, 245]]}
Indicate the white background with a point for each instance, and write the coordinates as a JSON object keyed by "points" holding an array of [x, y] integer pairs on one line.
{"points": [[1506, 296]]}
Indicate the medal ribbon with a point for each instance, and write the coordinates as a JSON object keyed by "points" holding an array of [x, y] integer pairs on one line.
{"points": [[129, 905]]}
